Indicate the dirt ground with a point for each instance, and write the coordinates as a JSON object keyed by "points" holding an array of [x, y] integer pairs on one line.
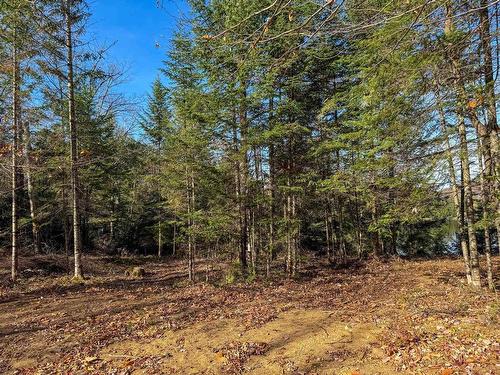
{"points": [[399, 317]]}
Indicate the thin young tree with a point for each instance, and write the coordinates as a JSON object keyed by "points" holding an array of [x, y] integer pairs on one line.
{"points": [[67, 9]]}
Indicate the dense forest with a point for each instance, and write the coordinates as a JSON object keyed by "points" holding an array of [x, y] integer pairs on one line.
{"points": [[347, 128]]}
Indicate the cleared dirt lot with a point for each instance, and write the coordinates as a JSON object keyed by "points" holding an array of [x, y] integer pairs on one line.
{"points": [[374, 318]]}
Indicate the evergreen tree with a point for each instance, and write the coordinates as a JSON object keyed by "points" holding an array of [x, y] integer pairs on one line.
{"points": [[156, 118]]}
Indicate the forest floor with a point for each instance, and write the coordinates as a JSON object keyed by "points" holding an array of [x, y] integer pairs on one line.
{"points": [[408, 317]]}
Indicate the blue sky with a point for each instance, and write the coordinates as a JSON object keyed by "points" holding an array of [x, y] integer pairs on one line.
{"points": [[136, 26]]}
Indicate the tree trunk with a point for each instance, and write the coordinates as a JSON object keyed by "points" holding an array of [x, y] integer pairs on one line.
{"points": [[287, 210], [359, 235], [295, 236], [190, 239], [252, 256], [327, 233], [469, 206], [492, 124], [244, 181], [272, 213], [159, 240], [377, 241], [31, 193], [241, 177], [490, 139], [464, 152], [486, 224], [191, 208], [14, 151], [272, 182], [174, 244], [75, 186], [286, 219], [66, 222]]}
